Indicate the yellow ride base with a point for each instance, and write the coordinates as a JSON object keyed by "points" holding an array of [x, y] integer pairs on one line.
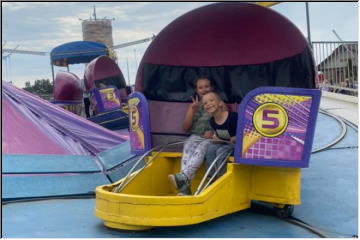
{"points": [[149, 200]]}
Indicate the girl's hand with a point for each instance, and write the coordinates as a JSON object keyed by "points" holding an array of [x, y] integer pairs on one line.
{"points": [[195, 104], [232, 139], [208, 134], [215, 137]]}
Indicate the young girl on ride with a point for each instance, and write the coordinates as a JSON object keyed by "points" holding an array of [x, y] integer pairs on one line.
{"points": [[224, 123], [197, 123]]}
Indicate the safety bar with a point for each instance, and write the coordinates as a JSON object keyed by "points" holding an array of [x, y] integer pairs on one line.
{"points": [[162, 147], [226, 153]]}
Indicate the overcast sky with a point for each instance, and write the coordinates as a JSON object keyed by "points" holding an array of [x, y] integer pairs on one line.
{"points": [[42, 26]]}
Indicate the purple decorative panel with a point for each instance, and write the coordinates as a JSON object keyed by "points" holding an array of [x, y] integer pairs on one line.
{"points": [[276, 126], [105, 99], [139, 123]]}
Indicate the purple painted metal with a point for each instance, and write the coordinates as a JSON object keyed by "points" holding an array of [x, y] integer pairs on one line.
{"points": [[102, 103], [167, 117], [67, 88], [291, 147], [139, 125]]}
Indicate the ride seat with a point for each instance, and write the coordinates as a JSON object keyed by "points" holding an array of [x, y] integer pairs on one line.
{"points": [[166, 120]]}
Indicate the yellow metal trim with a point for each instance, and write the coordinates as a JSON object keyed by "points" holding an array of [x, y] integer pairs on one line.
{"points": [[267, 4], [148, 201]]}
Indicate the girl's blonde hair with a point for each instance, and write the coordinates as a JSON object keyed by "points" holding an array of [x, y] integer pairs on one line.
{"points": [[222, 103]]}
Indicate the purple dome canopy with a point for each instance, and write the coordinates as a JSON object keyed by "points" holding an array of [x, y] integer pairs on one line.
{"points": [[239, 46], [67, 88], [103, 69], [226, 34]]}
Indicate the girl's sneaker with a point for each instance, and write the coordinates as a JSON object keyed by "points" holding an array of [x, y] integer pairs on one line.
{"points": [[181, 183]]}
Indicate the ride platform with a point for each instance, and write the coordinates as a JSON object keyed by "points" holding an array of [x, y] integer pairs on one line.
{"points": [[330, 181]]}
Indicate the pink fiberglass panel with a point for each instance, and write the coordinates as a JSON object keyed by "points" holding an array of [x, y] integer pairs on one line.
{"points": [[67, 87], [21, 136], [73, 133]]}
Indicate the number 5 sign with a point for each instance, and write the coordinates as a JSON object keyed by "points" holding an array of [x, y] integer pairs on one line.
{"points": [[270, 119], [276, 126]]}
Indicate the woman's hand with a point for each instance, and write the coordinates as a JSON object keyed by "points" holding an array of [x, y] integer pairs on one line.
{"points": [[195, 104], [189, 116]]}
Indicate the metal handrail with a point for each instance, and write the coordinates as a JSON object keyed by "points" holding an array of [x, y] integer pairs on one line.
{"points": [[127, 180], [227, 153], [341, 42], [121, 185]]}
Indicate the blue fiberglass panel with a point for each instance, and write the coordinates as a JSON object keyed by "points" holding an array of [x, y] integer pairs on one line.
{"points": [[47, 163], [45, 185], [116, 155], [330, 191], [75, 219]]}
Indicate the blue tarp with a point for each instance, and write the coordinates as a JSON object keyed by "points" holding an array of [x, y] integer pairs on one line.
{"points": [[77, 52]]}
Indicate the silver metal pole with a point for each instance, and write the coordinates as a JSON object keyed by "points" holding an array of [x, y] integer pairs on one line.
{"points": [[10, 72], [7, 69], [135, 58], [52, 72], [127, 66], [308, 22], [340, 39]]}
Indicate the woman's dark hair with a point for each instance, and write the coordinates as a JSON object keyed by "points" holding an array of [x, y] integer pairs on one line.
{"points": [[204, 77]]}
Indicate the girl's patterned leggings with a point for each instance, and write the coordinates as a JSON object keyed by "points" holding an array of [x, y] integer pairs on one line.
{"points": [[193, 155]]}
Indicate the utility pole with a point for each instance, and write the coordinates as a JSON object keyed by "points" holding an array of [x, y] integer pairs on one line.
{"points": [[94, 14]]}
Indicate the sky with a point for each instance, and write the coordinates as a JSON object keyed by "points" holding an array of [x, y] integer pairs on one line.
{"points": [[41, 26]]}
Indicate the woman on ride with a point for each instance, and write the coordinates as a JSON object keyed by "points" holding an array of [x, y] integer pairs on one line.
{"points": [[197, 123]]}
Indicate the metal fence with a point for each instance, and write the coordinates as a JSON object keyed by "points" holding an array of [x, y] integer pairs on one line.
{"points": [[337, 65]]}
